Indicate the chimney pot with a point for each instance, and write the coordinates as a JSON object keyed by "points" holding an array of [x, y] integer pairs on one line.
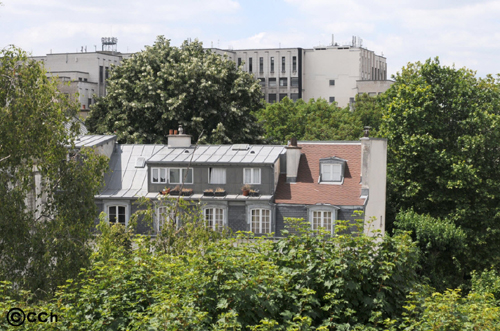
{"points": [[175, 132], [170, 132], [367, 131], [181, 130], [293, 142]]}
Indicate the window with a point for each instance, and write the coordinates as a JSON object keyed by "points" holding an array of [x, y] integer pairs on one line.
{"points": [[239, 61], [272, 98], [176, 175], [159, 175], [262, 82], [283, 82], [332, 99], [89, 101], [261, 64], [283, 61], [294, 96], [106, 73], [272, 82], [101, 74], [294, 63], [322, 219], [294, 81], [214, 217], [163, 216], [283, 95], [117, 214], [332, 82], [216, 176], [251, 176], [250, 64], [331, 172], [272, 64], [260, 220]]}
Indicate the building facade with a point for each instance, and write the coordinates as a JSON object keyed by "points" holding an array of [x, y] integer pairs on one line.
{"points": [[335, 73], [321, 182], [82, 75]]}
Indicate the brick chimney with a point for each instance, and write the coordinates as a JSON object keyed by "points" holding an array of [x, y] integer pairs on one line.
{"points": [[292, 160], [179, 140]]}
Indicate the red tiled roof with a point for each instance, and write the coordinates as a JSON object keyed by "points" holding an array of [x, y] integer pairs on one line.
{"points": [[307, 190]]}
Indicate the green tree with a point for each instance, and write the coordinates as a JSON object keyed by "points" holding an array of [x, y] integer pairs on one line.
{"points": [[320, 120], [164, 86], [47, 204], [443, 130]]}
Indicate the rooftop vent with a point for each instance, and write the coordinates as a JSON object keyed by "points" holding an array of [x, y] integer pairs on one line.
{"points": [[140, 162], [240, 147]]}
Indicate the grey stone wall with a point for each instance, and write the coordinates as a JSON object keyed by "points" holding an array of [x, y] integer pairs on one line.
{"points": [[237, 218], [283, 211]]}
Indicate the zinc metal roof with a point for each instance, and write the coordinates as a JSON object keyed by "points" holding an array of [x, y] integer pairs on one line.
{"points": [[228, 154], [92, 140], [124, 178]]}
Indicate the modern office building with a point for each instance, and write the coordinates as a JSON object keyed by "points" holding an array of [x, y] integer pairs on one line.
{"points": [[84, 72], [335, 73]]}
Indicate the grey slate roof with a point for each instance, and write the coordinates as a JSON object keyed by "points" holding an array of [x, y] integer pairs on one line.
{"points": [[219, 154], [125, 180]]}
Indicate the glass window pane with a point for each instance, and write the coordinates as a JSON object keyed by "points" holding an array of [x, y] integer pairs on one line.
{"points": [[112, 214], [326, 172], [256, 176], [189, 178], [155, 175], [163, 175], [217, 176], [336, 172], [174, 175], [247, 176]]}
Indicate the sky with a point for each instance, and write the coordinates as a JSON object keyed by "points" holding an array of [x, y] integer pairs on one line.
{"points": [[463, 33]]}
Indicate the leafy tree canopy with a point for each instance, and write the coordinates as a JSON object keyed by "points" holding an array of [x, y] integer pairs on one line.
{"points": [[47, 204], [443, 130], [319, 120], [164, 86]]}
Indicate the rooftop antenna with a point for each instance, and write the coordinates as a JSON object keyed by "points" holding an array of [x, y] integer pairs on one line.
{"points": [[95, 48], [109, 44]]}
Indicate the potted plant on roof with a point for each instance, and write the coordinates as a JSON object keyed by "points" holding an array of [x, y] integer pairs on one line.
{"points": [[208, 192], [187, 191], [245, 189], [254, 192], [220, 192], [176, 190]]}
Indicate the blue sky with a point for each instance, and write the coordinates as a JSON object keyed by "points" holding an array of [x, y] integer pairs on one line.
{"points": [[460, 32]]}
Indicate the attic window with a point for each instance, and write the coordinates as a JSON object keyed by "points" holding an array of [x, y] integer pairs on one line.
{"points": [[331, 170], [140, 162], [240, 147]]}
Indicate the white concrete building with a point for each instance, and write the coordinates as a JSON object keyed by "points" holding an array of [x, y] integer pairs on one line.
{"points": [[335, 73], [84, 73]]}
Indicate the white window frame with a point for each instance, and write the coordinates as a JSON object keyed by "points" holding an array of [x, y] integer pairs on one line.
{"points": [[253, 180], [160, 213], [259, 212], [181, 175], [117, 204], [333, 167], [323, 209], [159, 175], [213, 208], [210, 176]]}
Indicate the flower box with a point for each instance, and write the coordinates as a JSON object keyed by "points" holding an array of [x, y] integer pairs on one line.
{"points": [[220, 193], [208, 193], [254, 193]]}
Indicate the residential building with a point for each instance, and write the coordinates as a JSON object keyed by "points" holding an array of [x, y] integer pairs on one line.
{"points": [[335, 73], [321, 182]]}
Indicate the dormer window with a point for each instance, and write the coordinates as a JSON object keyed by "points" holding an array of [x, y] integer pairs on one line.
{"points": [[331, 170]]}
